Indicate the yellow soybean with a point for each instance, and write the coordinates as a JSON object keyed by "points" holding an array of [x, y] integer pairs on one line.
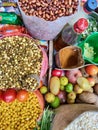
{"points": [[20, 115]]}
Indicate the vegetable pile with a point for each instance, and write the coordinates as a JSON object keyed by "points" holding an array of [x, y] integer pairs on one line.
{"points": [[72, 86]]}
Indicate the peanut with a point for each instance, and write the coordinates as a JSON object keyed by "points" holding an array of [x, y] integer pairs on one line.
{"points": [[52, 8]]}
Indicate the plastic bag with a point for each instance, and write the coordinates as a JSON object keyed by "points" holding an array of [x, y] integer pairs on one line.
{"points": [[41, 29], [10, 9], [11, 29], [10, 18]]}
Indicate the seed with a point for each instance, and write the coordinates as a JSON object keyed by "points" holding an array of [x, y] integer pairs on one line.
{"points": [[46, 9], [25, 58]]}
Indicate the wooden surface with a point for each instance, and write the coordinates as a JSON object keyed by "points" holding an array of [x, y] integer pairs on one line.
{"points": [[67, 113]]}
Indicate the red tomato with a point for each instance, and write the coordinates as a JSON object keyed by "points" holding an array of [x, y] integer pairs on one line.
{"points": [[1, 92], [9, 95], [91, 70], [22, 95], [57, 72]]}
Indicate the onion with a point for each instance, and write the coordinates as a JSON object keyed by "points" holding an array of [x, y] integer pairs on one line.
{"points": [[62, 96]]}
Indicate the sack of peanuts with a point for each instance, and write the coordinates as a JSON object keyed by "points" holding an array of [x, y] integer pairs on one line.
{"points": [[44, 19]]}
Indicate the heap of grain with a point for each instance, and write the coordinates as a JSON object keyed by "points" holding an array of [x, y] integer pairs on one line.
{"points": [[20, 57]]}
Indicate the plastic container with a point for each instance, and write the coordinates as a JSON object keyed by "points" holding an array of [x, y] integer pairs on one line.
{"points": [[91, 44]]}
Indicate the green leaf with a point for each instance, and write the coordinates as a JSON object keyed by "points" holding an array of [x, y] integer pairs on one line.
{"points": [[46, 119]]}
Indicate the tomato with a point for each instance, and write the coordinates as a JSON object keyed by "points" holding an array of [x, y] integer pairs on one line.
{"points": [[1, 92], [91, 81], [9, 95], [22, 95], [91, 70], [57, 72]]}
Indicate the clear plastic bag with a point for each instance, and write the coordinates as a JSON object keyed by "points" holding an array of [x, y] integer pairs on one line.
{"points": [[42, 29]]}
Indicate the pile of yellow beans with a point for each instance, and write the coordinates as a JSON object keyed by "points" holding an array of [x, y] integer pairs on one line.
{"points": [[20, 115]]}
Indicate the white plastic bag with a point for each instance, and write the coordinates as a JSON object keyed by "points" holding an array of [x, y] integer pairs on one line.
{"points": [[42, 29]]}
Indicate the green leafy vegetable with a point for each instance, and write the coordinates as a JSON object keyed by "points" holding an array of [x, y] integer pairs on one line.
{"points": [[47, 117]]}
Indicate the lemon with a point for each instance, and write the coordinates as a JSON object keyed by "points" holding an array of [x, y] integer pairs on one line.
{"points": [[63, 80]]}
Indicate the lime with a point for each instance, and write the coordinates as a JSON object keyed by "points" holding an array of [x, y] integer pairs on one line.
{"points": [[63, 80], [43, 89], [69, 87], [56, 102]]}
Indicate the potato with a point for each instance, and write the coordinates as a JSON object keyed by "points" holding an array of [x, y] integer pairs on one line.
{"points": [[54, 85], [90, 90], [96, 88], [88, 97]]}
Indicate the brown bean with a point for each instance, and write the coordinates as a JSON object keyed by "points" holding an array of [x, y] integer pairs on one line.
{"points": [[49, 10], [70, 2], [40, 12]]}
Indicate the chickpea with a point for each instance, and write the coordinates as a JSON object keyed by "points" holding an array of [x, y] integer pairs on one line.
{"points": [[18, 115]]}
